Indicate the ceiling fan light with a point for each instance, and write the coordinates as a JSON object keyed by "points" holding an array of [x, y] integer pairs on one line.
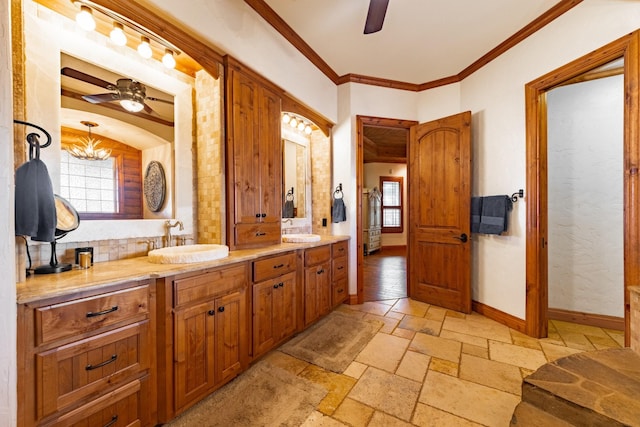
{"points": [[168, 60], [117, 35], [84, 18], [131, 105], [144, 48]]}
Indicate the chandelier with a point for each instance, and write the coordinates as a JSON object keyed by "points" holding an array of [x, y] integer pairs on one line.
{"points": [[87, 147]]}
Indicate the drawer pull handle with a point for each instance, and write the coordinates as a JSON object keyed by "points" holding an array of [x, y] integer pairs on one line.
{"points": [[221, 309], [100, 365], [114, 420], [211, 312], [340, 268], [278, 266], [320, 271], [340, 291], [261, 234], [103, 312]]}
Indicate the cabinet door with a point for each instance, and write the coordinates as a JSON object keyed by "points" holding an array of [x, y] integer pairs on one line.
{"points": [[317, 292], [264, 328], [194, 352], [285, 305], [231, 335], [270, 156], [244, 148]]}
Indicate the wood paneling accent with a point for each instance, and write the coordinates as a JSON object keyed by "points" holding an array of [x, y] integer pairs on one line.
{"points": [[19, 84], [269, 15], [627, 47], [129, 168], [499, 316], [589, 319]]}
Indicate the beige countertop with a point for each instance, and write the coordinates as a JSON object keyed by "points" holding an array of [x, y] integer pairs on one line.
{"points": [[104, 274]]}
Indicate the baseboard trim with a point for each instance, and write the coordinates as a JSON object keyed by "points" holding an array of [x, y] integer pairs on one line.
{"points": [[588, 319], [352, 300], [394, 247], [499, 316]]}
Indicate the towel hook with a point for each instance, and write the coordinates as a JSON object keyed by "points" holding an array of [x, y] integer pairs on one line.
{"points": [[514, 196], [34, 136]]}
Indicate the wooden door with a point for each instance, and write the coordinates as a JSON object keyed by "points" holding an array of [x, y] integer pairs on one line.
{"points": [[194, 353], [231, 334], [317, 292], [263, 316], [439, 205], [285, 305]]}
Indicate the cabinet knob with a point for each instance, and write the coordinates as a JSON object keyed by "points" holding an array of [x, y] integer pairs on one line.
{"points": [[211, 312], [257, 215], [320, 271], [264, 215], [275, 286], [281, 284], [221, 309]]}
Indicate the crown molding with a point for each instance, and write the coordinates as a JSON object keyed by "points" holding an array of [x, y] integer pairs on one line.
{"points": [[272, 18]]}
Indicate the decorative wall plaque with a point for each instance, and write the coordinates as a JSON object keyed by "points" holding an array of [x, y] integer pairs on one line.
{"points": [[154, 186]]}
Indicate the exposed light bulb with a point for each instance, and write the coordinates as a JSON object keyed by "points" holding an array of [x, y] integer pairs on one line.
{"points": [[286, 118], [144, 48], [117, 35], [131, 105], [84, 18], [307, 130], [168, 60], [301, 125], [293, 122]]}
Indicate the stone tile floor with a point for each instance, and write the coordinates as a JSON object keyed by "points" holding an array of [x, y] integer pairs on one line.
{"points": [[428, 366]]}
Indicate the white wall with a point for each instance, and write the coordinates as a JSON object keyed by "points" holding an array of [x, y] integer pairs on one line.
{"points": [[495, 95], [585, 205], [8, 379], [372, 174]]}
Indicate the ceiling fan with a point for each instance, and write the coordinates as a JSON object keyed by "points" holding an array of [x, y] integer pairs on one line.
{"points": [[129, 93], [375, 16]]}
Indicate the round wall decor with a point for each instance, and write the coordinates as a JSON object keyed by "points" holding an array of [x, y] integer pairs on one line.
{"points": [[154, 186]]}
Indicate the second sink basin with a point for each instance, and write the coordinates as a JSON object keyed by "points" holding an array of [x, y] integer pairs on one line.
{"points": [[188, 254], [300, 238]]}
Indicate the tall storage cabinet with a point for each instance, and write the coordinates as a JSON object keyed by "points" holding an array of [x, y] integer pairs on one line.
{"points": [[254, 159], [372, 220]]}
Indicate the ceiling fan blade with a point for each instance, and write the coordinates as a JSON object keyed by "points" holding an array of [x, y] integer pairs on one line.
{"points": [[79, 75], [148, 109], [103, 97], [151, 98], [375, 16]]}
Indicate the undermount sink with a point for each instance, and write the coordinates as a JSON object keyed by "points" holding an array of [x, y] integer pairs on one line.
{"points": [[300, 238], [188, 254]]}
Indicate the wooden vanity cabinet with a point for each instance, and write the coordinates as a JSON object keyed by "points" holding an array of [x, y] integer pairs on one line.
{"points": [[339, 272], [88, 359], [275, 301], [254, 159], [317, 283], [203, 335]]}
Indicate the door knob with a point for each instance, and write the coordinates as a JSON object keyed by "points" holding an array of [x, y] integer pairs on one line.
{"points": [[463, 237]]}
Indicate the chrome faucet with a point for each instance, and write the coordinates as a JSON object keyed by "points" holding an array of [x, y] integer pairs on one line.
{"points": [[289, 220], [168, 226]]}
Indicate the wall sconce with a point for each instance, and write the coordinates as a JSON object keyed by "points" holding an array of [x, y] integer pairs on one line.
{"points": [[84, 18], [297, 123]]}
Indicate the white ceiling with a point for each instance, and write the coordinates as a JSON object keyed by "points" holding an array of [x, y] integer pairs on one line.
{"points": [[420, 41]]}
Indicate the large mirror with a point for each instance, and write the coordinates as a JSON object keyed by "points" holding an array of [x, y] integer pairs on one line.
{"points": [[54, 43], [296, 178]]}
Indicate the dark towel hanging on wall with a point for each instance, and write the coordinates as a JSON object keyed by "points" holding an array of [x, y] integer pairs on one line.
{"points": [[476, 213], [495, 211], [338, 210], [35, 209]]}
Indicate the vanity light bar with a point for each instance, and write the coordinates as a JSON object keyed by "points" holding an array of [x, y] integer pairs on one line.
{"points": [[296, 122], [119, 22]]}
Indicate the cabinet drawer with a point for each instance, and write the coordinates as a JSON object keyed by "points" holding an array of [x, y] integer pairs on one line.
{"points": [[259, 234], [340, 248], [340, 291], [211, 284], [267, 268], [75, 317], [339, 268], [122, 407], [70, 373], [317, 255]]}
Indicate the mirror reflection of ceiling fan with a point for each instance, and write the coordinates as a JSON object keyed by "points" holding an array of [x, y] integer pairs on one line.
{"points": [[129, 93], [375, 16]]}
